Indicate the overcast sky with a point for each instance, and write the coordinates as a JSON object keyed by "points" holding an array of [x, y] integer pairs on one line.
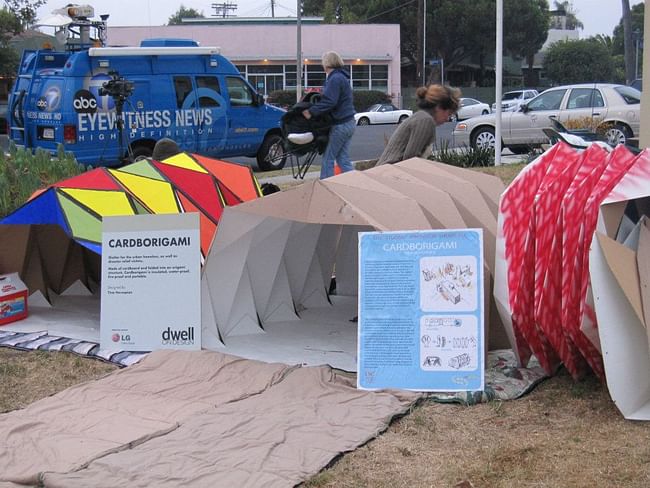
{"points": [[598, 16]]}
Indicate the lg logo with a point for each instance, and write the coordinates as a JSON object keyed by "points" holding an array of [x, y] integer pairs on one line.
{"points": [[84, 102]]}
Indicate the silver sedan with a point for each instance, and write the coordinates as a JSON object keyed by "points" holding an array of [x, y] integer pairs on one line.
{"points": [[608, 109]]}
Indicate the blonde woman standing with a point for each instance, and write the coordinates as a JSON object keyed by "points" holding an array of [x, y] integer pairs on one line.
{"points": [[416, 134], [336, 99]]}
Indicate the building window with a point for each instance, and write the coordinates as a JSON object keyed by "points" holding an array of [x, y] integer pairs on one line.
{"points": [[254, 69], [360, 77], [289, 75], [363, 76], [379, 77], [315, 75]]}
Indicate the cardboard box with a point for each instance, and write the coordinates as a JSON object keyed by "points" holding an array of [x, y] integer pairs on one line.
{"points": [[13, 298]]}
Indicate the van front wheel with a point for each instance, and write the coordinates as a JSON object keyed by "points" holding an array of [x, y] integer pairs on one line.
{"points": [[271, 155]]}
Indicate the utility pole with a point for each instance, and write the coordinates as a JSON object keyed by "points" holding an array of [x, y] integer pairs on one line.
{"points": [[223, 9], [299, 52], [419, 67], [272, 8]]}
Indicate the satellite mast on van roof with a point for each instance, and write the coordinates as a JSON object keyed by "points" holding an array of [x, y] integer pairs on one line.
{"points": [[75, 28]]}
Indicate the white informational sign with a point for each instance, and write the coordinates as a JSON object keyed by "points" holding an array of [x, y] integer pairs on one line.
{"points": [[151, 275], [421, 311]]}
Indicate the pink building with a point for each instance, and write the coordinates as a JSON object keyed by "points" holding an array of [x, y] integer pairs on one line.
{"points": [[265, 50]]}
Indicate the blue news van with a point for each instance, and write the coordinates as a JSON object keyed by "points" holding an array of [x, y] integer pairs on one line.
{"points": [[109, 105]]}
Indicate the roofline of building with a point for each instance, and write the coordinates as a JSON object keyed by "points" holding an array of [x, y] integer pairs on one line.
{"points": [[253, 20]]}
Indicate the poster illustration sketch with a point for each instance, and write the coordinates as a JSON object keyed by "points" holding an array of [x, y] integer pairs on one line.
{"points": [[448, 284]]}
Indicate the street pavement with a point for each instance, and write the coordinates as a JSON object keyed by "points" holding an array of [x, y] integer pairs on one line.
{"points": [[284, 179]]}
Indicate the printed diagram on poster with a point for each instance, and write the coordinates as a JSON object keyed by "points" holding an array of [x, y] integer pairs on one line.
{"points": [[151, 293], [448, 284], [421, 317]]}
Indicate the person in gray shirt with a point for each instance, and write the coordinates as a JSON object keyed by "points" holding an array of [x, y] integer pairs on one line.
{"points": [[416, 134]]}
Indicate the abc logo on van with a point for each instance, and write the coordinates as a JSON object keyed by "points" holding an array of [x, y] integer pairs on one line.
{"points": [[84, 102]]}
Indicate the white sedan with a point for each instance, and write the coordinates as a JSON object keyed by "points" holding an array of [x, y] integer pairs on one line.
{"points": [[470, 107], [382, 113]]}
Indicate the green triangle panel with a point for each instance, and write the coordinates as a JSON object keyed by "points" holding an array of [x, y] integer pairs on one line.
{"points": [[83, 225], [142, 168], [139, 209]]}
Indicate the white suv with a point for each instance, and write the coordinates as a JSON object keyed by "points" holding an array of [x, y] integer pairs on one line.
{"points": [[512, 100]]}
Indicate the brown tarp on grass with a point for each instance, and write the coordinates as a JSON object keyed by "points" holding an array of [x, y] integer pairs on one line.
{"points": [[193, 419]]}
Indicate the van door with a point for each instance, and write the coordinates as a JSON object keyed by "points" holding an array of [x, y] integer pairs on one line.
{"points": [[244, 132], [201, 118]]}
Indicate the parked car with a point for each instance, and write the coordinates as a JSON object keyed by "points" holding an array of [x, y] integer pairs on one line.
{"points": [[638, 84], [512, 100], [470, 107], [612, 109], [382, 113]]}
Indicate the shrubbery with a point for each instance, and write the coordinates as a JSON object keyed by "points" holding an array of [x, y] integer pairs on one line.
{"points": [[22, 173], [363, 99], [465, 157]]}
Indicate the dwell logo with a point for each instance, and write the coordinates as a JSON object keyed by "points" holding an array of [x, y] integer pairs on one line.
{"points": [[178, 337]]}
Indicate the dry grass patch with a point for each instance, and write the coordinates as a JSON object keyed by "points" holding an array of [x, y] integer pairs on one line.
{"points": [[506, 172], [561, 435], [29, 376]]}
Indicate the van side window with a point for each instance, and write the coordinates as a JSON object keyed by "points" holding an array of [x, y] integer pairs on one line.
{"points": [[239, 92], [211, 83], [183, 87]]}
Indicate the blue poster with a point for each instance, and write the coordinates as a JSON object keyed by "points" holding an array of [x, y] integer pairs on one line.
{"points": [[421, 311]]}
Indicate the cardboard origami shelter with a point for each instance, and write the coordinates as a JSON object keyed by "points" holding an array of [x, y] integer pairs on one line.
{"points": [[54, 239], [266, 280], [544, 272], [267, 275]]}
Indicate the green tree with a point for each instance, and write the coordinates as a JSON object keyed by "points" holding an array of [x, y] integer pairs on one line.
{"points": [[572, 21], [25, 10], [618, 41], [526, 24], [619, 63], [184, 13], [578, 61], [10, 25], [456, 30]]}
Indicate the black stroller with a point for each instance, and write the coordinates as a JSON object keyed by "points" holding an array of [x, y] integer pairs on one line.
{"points": [[316, 131]]}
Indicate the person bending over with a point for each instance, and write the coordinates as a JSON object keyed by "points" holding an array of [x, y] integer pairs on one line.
{"points": [[416, 134]]}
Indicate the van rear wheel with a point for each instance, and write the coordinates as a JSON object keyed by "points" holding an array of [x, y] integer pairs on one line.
{"points": [[271, 155], [141, 152]]}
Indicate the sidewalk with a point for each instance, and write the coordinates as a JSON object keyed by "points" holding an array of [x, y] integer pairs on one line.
{"points": [[284, 179]]}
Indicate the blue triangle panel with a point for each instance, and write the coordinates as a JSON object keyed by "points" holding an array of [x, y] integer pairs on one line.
{"points": [[44, 209], [93, 246]]}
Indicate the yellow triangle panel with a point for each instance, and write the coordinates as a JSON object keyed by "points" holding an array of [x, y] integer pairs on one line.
{"points": [[101, 201], [83, 224], [155, 195], [183, 160]]}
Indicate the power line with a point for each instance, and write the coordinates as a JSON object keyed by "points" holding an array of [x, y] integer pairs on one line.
{"points": [[223, 9], [389, 10]]}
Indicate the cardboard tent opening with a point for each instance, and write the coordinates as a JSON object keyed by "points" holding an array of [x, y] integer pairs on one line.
{"points": [[54, 240], [266, 278]]}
